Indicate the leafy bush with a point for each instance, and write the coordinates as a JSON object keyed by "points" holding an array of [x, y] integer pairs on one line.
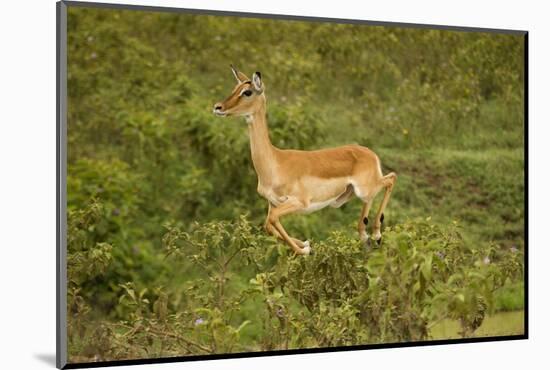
{"points": [[343, 294], [422, 274]]}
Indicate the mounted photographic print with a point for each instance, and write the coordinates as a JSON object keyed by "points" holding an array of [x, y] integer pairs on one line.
{"points": [[235, 184]]}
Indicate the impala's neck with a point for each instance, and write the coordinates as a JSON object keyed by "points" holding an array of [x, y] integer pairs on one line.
{"points": [[263, 152]]}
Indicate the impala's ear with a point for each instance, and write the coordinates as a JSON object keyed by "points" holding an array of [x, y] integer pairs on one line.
{"points": [[239, 76], [257, 82]]}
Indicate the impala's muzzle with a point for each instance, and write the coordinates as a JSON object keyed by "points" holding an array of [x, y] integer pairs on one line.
{"points": [[218, 109]]}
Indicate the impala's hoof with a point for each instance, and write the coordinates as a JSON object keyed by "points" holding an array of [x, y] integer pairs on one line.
{"points": [[382, 218], [379, 241]]}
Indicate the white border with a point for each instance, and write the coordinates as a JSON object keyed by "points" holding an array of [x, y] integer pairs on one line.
{"points": [[27, 193]]}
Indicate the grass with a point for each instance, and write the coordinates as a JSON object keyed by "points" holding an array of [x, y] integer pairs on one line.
{"points": [[499, 324], [480, 188], [510, 297]]}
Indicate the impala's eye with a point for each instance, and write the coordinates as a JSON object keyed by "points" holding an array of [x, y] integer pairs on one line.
{"points": [[247, 92]]}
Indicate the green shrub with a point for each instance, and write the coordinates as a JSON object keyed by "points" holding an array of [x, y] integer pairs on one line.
{"points": [[343, 294]]}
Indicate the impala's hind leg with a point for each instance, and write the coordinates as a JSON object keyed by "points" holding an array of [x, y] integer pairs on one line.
{"points": [[388, 181], [364, 220]]}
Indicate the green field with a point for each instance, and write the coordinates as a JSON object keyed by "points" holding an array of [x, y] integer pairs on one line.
{"points": [[166, 251], [504, 323]]}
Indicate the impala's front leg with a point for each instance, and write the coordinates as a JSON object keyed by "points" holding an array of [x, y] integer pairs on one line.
{"points": [[271, 230], [291, 205]]}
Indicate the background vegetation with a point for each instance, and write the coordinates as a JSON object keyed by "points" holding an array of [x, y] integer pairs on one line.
{"points": [[166, 252]]}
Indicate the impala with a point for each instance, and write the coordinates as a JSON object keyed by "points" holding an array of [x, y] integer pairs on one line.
{"points": [[297, 181]]}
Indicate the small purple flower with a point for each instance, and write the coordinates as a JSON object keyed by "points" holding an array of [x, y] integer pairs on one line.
{"points": [[116, 212], [199, 321], [514, 249], [93, 55], [486, 260], [441, 255]]}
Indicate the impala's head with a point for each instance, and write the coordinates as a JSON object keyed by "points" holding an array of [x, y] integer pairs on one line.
{"points": [[246, 98]]}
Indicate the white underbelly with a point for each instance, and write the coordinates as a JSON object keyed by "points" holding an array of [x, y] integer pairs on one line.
{"points": [[315, 206]]}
